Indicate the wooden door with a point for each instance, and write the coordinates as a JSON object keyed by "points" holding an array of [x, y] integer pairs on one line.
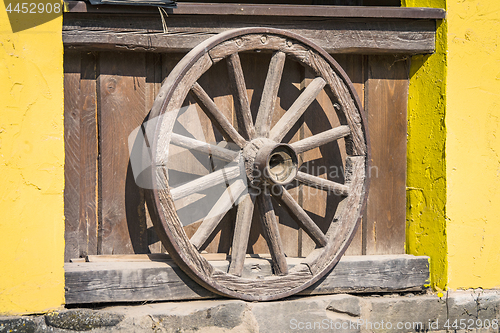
{"points": [[109, 94]]}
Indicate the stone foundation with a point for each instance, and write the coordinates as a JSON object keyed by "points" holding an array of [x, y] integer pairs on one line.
{"points": [[459, 311]]}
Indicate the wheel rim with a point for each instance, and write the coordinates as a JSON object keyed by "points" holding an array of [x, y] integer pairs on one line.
{"points": [[261, 162]]}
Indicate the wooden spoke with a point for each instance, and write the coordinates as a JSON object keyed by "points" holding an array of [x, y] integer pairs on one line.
{"points": [[303, 220], [218, 119], [207, 181], [320, 139], [202, 147], [241, 100], [269, 94], [297, 109], [322, 183], [241, 234], [225, 202], [270, 227]]}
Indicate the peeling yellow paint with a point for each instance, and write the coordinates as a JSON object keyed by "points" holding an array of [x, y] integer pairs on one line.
{"points": [[426, 167], [31, 168]]}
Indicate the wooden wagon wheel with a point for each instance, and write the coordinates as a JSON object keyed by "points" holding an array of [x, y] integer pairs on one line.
{"points": [[260, 163]]}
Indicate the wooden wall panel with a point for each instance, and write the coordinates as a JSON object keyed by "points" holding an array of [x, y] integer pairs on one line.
{"points": [[153, 84], [354, 67], [81, 155], [123, 107], [72, 68], [386, 96], [115, 91]]}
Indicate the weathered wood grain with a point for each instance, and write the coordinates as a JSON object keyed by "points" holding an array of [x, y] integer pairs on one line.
{"points": [[335, 35], [386, 102], [283, 282], [354, 66], [251, 42], [128, 257], [270, 94], [324, 161], [81, 155], [324, 184], [129, 281], [217, 177], [72, 167], [263, 289], [320, 139], [97, 282], [153, 85], [346, 213], [287, 94], [182, 249], [271, 232], [203, 147], [380, 273], [146, 257], [242, 105], [183, 85], [219, 242], [217, 86], [297, 109], [302, 219], [185, 8], [217, 117], [89, 158], [122, 108], [347, 106], [241, 234], [215, 215]]}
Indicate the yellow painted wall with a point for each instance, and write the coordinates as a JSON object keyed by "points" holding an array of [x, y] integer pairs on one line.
{"points": [[31, 168], [453, 194], [426, 165], [473, 144]]}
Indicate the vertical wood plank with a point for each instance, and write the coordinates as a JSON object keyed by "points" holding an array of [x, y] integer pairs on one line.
{"points": [[153, 85], [122, 92], [80, 120], [72, 113], [386, 96], [89, 154], [353, 65]]}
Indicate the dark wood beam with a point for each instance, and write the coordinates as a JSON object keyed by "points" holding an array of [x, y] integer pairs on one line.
{"points": [[188, 8]]}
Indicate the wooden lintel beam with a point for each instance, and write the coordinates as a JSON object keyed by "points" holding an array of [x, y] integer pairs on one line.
{"points": [[379, 35]]}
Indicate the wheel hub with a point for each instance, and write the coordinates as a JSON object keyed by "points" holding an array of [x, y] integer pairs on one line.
{"points": [[268, 162]]}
